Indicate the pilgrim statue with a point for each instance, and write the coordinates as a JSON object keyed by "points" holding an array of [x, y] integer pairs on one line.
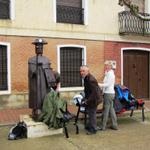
{"points": [[41, 78]]}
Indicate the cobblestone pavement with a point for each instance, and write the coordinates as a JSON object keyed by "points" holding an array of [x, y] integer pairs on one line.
{"points": [[133, 134]]}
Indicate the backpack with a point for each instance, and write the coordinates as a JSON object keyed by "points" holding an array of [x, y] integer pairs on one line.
{"points": [[18, 131], [77, 99]]}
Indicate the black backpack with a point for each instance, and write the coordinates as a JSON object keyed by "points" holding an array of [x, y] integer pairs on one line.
{"points": [[18, 131]]}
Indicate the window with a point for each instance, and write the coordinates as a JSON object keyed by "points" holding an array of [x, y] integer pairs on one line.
{"points": [[71, 11], [3, 68], [7, 9], [71, 58], [4, 9]]}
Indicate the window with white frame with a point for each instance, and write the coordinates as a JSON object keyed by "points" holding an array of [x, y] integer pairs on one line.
{"points": [[72, 11], [7, 9], [70, 60], [4, 68]]}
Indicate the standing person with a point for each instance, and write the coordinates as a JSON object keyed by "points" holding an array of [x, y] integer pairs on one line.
{"points": [[109, 95], [92, 98]]}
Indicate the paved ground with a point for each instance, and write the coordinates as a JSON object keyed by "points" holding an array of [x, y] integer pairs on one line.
{"points": [[12, 116], [133, 134]]}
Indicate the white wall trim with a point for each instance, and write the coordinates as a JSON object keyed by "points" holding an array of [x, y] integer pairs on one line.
{"points": [[85, 6], [8, 69], [58, 61], [147, 6], [54, 10], [12, 9], [130, 48], [71, 89]]}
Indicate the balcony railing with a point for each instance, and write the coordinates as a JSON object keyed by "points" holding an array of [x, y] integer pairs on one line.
{"points": [[130, 24], [68, 14]]}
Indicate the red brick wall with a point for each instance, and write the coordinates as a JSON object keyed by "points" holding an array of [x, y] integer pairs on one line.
{"points": [[97, 53], [22, 50], [112, 51]]}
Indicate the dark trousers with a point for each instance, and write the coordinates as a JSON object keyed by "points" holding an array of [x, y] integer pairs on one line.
{"points": [[92, 124]]}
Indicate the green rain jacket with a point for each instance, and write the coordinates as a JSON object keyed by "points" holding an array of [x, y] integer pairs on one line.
{"points": [[51, 114]]}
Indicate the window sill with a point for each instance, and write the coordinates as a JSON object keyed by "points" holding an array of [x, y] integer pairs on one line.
{"points": [[71, 89]]}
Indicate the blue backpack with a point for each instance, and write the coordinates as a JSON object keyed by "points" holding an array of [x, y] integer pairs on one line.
{"points": [[125, 98]]}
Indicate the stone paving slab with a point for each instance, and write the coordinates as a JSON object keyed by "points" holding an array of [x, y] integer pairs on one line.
{"points": [[132, 135]]}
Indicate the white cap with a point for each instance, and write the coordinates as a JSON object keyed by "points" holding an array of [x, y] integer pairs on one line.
{"points": [[112, 63], [107, 62]]}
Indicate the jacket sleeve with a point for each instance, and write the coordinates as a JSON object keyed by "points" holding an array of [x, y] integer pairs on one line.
{"points": [[108, 80], [95, 93]]}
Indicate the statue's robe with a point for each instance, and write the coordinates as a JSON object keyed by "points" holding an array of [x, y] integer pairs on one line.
{"points": [[41, 79]]}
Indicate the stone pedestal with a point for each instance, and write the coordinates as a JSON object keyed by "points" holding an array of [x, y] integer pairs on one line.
{"points": [[38, 129]]}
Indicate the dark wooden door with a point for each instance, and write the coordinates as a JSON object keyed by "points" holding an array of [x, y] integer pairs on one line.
{"points": [[136, 72]]}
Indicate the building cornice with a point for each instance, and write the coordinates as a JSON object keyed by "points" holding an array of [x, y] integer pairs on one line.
{"points": [[74, 35]]}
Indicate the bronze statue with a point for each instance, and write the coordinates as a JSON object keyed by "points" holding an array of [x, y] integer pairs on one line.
{"points": [[41, 78]]}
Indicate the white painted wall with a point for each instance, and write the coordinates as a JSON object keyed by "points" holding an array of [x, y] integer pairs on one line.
{"points": [[38, 18], [147, 6], [31, 17]]}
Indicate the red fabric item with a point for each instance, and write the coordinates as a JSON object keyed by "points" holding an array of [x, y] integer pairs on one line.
{"points": [[122, 111], [140, 101]]}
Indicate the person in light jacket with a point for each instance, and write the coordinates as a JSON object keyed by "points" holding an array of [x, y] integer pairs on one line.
{"points": [[109, 95]]}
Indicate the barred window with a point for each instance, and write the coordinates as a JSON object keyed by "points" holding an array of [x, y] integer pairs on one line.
{"points": [[70, 11], [4, 9], [70, 62], [3, 68]]}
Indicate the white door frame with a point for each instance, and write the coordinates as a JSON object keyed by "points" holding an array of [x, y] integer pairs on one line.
{"points": [[130, 48]]}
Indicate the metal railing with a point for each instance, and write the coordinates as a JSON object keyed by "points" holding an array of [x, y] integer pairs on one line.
{"points": [[68, 14], [130, 24]]}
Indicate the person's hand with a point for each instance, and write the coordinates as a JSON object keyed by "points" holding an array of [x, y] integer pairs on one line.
{"points": [[100, 85], [77, 104], [84, 102]]}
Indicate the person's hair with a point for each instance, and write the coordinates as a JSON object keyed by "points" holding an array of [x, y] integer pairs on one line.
{"points": [[108, 63], [84, 66]]}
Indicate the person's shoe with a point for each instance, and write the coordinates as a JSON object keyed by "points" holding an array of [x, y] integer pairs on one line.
{"points": [[90, 132], [100, 129], [87, 128], [113, 128]]}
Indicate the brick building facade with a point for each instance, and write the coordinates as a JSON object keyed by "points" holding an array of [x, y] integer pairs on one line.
{"points": [[88, 28]]}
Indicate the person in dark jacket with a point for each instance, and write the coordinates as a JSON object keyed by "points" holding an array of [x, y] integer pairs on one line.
{"points": [[92, 98]]}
